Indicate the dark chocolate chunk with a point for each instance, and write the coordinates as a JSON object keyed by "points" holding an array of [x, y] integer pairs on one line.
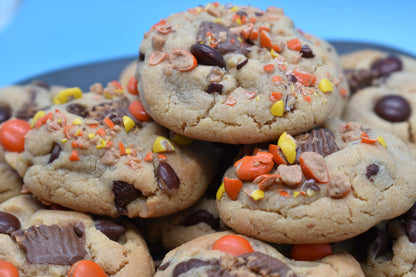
{"points": [[77, 109], [372, 170], [167, 177], [214, 87], [290, 103], [410, 227], [359, 79], [114, 110], [8, 223], [56, 150], [292, 78], [206, 55], [4, 113], [188, 265], [320, 140], [124, 193], [384, 67], [202, 216], [306, 52], [375, 242], [266, 265], [141, 56], [411, 213], [52, 244], [241, 64], [226, 42], [111, 229], [393, 108]]}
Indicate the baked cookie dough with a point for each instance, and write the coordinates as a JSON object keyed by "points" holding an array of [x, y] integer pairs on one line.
{"points": [[210, 255], [329, 184], [19, 102], [101, 153], [43, 242], [389, 249], [235, 74], [384, 87]]}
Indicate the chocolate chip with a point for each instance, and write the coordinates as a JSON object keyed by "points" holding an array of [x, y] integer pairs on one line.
{"points": [[167, 177], [372, 170], [206, 55], [318, 140], [141, 56], [241, 13], [111, 229], [8, 223], [226, 42], [124, 193], [214, 87], [56, 150], [384, 67], [77, 109], [292, 78], [374, 242], [258, 13], [188, 265], [290, 103], [266, 265], [393, 108], [202, 216], [163, 266], [306, 51], [4, 114], [359, 79], [410, 227], [241, 64], [52, 244]]}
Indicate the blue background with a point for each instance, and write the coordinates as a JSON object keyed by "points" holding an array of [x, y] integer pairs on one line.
{"points": [[49, 35]]}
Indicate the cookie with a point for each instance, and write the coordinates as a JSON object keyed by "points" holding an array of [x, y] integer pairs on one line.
{"points": [[389, 249], [235, 74], [329, 184], [384, 87], [102, 154], [229, 254], [19, 102], [43, 242]]}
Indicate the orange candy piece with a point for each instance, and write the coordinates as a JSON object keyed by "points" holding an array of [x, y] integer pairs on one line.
{"points": [[132, 86], [232, 187], [157, 57], [12, 135], [277, 158], [250, 167], [304, 78], [310, 252], [233, 244], [8, 270], [137, 110], [182, 60], [86, 268], [266, 41], [294, 44]]}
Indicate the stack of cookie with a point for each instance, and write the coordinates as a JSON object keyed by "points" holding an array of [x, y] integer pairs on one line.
{"points": [[226, 148]]}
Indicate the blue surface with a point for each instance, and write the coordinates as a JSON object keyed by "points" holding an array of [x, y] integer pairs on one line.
{"points": [[50, 35]]}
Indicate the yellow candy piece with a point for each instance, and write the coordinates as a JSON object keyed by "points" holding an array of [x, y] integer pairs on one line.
{"points": [[278, 108], [66, 94], [128, 123], [273, 53], [181, 139], [382, 141], [77, 121], [91, 135], [325, 85], [162, 144], [64, 140], [310, 192], [220, 191], [102, 145], [35, 118], [288, 145], [257, 194], [296, 194], [218, 20]]}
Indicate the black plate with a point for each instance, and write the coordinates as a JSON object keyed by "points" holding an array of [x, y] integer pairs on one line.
{"points": [[84, 76]]}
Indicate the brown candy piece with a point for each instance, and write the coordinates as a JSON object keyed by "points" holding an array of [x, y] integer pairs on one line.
{"points": [[56, 150], [202, 216], [111, 229], [52, 244], [206, 55], [167, 178], [393, 108], [306, 51], [77, 109], [266, 265], [188, 265], [124, 193], [384, 67], [359, 78], [8, 223], [321, 141]]}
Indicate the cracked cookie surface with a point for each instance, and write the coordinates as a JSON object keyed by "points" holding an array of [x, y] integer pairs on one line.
{"points": [[205, 256], [383, 87], [235, 74], [94, 154], [44, 242], [326, 185]]}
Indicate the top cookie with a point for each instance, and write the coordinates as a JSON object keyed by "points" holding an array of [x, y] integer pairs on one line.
{"points": [[235, 74]]}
